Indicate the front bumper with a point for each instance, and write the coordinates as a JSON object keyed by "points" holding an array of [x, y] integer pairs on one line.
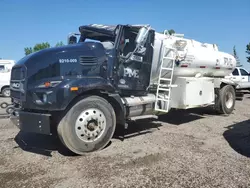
{"points": [[32, 122]]}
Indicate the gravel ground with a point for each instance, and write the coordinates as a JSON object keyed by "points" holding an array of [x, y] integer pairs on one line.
{"points": [[193, 148]]}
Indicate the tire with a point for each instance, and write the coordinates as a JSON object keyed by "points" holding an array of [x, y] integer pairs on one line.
{"points": [[227, 97], [79, 131], [6, 92]]}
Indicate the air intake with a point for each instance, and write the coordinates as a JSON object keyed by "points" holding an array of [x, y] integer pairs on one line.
{"points": [[88, 60]]}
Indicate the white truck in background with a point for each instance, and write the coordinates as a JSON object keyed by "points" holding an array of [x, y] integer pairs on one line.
{"points": [[5, 73], [240, 76]]}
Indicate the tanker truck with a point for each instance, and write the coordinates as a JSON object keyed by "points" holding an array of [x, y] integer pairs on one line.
{"points": [[109, 75]]}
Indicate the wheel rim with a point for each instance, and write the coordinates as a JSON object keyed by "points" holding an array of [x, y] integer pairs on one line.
{"points": [[7, 92], [229, 100], [90, 125]]}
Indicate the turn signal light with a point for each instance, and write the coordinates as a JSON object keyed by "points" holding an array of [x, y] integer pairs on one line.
{"points": [[47, 84], [74, 89]]}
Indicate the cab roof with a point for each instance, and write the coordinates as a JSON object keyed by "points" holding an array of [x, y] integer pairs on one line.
{"points": [[103, 32], [104, 29], [101, 29]]}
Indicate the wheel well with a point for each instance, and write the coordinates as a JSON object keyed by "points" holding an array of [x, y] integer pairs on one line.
{"points": [[119, 112], [217, 90], [224, 84], [6, 86]]}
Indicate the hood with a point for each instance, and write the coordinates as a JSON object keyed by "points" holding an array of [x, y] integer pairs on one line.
{"points": [[62, 62], [50, 55]]}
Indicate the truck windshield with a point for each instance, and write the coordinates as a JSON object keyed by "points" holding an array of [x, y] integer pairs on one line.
{"points": [[95, 37], [91, 40], [106, 41]]}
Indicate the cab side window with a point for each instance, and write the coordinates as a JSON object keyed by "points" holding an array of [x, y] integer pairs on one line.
{"points": [[2, 68], [127, 41], [243, 72], [235, 72]]}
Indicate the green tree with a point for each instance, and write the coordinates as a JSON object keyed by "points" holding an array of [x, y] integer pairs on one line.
{"points": [[236, 57], [37, 47], [59, 44], [170, 31], [28, 50], [40, 46], [248, 52]]}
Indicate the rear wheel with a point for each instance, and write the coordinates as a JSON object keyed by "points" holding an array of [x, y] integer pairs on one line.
{"points": [[88, 126], [226, 100]]}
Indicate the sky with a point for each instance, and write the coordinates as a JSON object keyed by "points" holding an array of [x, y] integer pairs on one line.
{"points": [[27, 22]]}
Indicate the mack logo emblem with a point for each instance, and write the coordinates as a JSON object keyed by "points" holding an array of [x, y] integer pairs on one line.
{"points": [[15, 85]]}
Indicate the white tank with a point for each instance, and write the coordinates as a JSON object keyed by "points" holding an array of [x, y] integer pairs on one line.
{"points": [[193, 58]]}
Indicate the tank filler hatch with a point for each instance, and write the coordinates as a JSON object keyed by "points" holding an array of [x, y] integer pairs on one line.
{"points": [[181, 50], [180, 45]]}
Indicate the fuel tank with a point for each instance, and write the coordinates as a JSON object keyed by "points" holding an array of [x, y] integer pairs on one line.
{"points": [[192, 58]]}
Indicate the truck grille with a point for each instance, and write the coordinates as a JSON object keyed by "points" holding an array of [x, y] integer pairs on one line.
{"points": [[17, 83], [17, 73]]}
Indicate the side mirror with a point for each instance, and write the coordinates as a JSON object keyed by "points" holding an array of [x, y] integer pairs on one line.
{"points": [[142, 34], [72, 39]]}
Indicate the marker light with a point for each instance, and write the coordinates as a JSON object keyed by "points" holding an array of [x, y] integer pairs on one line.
{"points": [[74, 88], [49, 84]]}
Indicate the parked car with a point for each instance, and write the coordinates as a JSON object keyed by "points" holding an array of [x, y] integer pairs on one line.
{"points": [[242, 77]]}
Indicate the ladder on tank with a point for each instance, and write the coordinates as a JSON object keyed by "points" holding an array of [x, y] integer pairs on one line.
{"points": [[163, 92]]}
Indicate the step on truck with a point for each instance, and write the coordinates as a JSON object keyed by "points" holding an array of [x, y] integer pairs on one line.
{"points": [[108, 75]]}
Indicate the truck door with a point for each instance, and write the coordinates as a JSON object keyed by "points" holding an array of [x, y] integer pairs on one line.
{"points": [[245, 80], [235, 76], [133, 76]]}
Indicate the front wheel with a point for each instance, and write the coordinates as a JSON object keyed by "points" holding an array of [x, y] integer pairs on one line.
{"points": [[88, 126]]}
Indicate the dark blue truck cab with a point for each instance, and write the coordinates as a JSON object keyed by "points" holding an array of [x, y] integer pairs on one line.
{"points": [[81, 91]]}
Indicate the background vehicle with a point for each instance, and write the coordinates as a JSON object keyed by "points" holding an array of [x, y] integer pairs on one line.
{"points": [[240, 76], [5, 72], [125, 72]]}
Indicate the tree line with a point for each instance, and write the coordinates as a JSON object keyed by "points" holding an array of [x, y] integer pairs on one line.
{"points": [[40, 46], [247, 54]]}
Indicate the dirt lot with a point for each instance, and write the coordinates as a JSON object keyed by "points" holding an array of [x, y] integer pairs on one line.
{"points": [[182, 149]]}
